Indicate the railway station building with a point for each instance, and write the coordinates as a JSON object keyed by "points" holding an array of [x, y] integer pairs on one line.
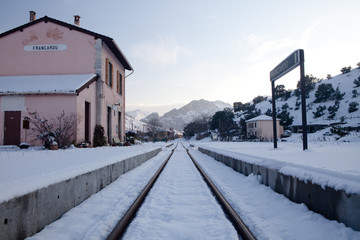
{"points": [[52, 67]]}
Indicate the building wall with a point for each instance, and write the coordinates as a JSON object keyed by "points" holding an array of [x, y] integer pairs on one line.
{"points": [[264, 129], [111, 97], [47, 106], [77, 58], [87, 95]]}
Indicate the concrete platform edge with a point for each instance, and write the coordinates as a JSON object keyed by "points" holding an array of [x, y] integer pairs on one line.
{"points": [[332, 204], [26, 215]]}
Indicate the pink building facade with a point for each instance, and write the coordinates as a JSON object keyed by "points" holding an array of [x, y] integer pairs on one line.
{"points": [[49, 67]]}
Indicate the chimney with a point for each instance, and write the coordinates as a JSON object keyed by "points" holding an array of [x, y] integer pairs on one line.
{"points": [[77, 20], [32, 16]]}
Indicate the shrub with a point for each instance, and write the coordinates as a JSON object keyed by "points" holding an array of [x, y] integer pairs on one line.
{"points": [[353, 106], [338, 96], [345, 70], [355, 93], [319, 111], [61, 130], [259, 99], [99, 136], [357, 82], [333, 109], [341, 132]]}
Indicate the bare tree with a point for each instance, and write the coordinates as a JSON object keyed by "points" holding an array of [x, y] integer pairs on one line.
{"points": [[154, 125], [61, 130]]}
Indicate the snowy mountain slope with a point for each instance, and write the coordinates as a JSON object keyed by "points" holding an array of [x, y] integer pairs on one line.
{"points": [[178, 118], [345, 84], [132, 123], [137, 114]]}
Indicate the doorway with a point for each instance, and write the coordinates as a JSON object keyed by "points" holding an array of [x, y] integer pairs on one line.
{"points": [[12, 127], [87, 121], [109, 124]]}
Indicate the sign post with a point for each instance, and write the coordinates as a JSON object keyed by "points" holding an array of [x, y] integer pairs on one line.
{"points": [[294, 60]]}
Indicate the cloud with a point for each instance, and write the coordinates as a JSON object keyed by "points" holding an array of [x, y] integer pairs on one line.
{"points": [[212, 17], [305, 37], [162, 51], [263, 45]]}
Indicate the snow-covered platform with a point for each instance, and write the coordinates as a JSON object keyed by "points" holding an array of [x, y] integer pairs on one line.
{"points": [[326, 177], [37, 187]]}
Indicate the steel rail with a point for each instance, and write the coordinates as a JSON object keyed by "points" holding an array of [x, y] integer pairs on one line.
{"points": [[124, 222], [238, 223]]}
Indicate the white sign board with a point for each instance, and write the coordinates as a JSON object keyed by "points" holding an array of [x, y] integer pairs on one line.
{"points": [[45, 47]]}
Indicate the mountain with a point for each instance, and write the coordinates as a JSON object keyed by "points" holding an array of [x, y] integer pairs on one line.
{"points": [[178, 118], [137, 114], [150, 116]]}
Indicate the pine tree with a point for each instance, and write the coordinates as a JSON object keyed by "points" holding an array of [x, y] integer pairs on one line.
{"points": [[99, 136], [324, 92]]}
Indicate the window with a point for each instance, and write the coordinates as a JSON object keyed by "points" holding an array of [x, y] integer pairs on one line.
{"points": [[109, 73], [119, 83]]}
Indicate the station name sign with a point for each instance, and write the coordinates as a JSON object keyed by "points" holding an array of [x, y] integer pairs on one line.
{"points": [[45, 47], [291, 62]]}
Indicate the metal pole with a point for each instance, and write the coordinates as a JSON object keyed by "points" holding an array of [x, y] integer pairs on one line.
{"points": [[303, 100], [274, 113]]}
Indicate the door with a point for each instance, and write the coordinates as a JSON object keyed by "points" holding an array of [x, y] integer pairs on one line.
{"points": [[109, 124], [12, 127], [119, 126], [87, 122]]}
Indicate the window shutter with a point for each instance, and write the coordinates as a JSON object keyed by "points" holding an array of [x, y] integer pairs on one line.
{"points": [[107, 71], [117, 81], [120, 84], [111, 75]]}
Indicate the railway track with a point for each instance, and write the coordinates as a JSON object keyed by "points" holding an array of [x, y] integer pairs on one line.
{"points": [[241, 228]]}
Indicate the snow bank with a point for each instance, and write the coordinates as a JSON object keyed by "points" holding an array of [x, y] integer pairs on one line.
{"points": [[328, 164], [23, 171]]}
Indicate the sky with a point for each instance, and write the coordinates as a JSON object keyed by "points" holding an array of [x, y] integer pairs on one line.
{"points": [[215, 50]]}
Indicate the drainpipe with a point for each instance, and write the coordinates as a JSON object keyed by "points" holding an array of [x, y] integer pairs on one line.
{"points": [[132, 71]]}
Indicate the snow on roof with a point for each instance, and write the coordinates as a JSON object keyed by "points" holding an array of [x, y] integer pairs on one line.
{"points": [[261, 118], [40, 84]]}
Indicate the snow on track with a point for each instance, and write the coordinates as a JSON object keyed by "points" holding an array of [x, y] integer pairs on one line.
{"points": [[180, 206]]}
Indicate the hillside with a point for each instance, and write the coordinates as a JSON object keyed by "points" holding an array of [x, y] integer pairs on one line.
{"points": [[319, 112]]}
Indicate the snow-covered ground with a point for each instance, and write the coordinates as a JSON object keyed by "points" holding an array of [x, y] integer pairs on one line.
{"points": [[26, 170], [268, 214], [334, 164]]}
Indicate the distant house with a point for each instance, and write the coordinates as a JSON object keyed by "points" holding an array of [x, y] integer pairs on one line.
{"points": [[49, 66], [261, 127]]}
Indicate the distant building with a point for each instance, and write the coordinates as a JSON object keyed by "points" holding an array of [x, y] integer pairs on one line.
{"points": [[261, 127], [50, 66]]}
